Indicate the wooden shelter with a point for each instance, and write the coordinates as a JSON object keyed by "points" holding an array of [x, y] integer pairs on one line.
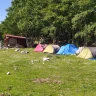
{"points": [[14, 41]]}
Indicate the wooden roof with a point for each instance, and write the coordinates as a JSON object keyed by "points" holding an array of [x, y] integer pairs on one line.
{"points": [[14, 36]]}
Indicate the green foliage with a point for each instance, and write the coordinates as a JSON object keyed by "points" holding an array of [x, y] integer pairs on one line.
{"points": [[69, 19], [1, 32]]}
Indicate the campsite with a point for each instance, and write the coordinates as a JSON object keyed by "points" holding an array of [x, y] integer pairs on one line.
{"points": [[48, 48], [62, 75]]}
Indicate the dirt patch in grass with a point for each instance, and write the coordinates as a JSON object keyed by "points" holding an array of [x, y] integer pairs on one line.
{"points": [[46, 80]]}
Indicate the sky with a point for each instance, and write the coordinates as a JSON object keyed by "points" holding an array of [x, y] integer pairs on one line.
{"points": [[4, 4]]}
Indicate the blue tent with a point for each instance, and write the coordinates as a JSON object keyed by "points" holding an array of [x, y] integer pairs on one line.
{"points": [[68, 49]]}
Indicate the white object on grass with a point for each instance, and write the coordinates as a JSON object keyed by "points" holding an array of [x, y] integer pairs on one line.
{"points": [[46, 59], [8, 73]]}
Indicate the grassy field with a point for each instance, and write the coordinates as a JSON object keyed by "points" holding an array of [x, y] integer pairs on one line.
{"points": [[30, 76]]}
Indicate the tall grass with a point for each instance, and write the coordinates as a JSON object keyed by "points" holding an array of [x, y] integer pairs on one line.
{"points": [[60, 76]]}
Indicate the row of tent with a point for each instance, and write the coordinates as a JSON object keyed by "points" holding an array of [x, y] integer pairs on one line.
{"points": [[68, 49]]}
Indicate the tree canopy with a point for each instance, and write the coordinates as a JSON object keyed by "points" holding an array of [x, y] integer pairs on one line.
{"points": [[70, 21]]}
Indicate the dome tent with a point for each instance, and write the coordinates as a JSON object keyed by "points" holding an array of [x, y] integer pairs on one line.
{"points": [[51, 49], [88, 52], [68, 49], [40, 47]]}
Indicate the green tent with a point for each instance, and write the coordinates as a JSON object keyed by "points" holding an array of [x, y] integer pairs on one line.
{"points": [[88, 52]]}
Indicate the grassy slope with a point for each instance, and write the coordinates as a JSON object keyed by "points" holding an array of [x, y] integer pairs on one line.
{"points": [[61, 76]]}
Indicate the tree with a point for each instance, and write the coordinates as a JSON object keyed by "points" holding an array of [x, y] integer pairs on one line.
{"points": [[67, 20], [1, 32], [84, 20]]}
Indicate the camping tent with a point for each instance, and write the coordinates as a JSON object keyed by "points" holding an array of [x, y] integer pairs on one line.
{"points": [[40, 47], [88, 52], [51, 49], [68, 49]]}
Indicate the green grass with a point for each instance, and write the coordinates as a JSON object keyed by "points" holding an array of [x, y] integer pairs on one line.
{"points": [[61, 76]]}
